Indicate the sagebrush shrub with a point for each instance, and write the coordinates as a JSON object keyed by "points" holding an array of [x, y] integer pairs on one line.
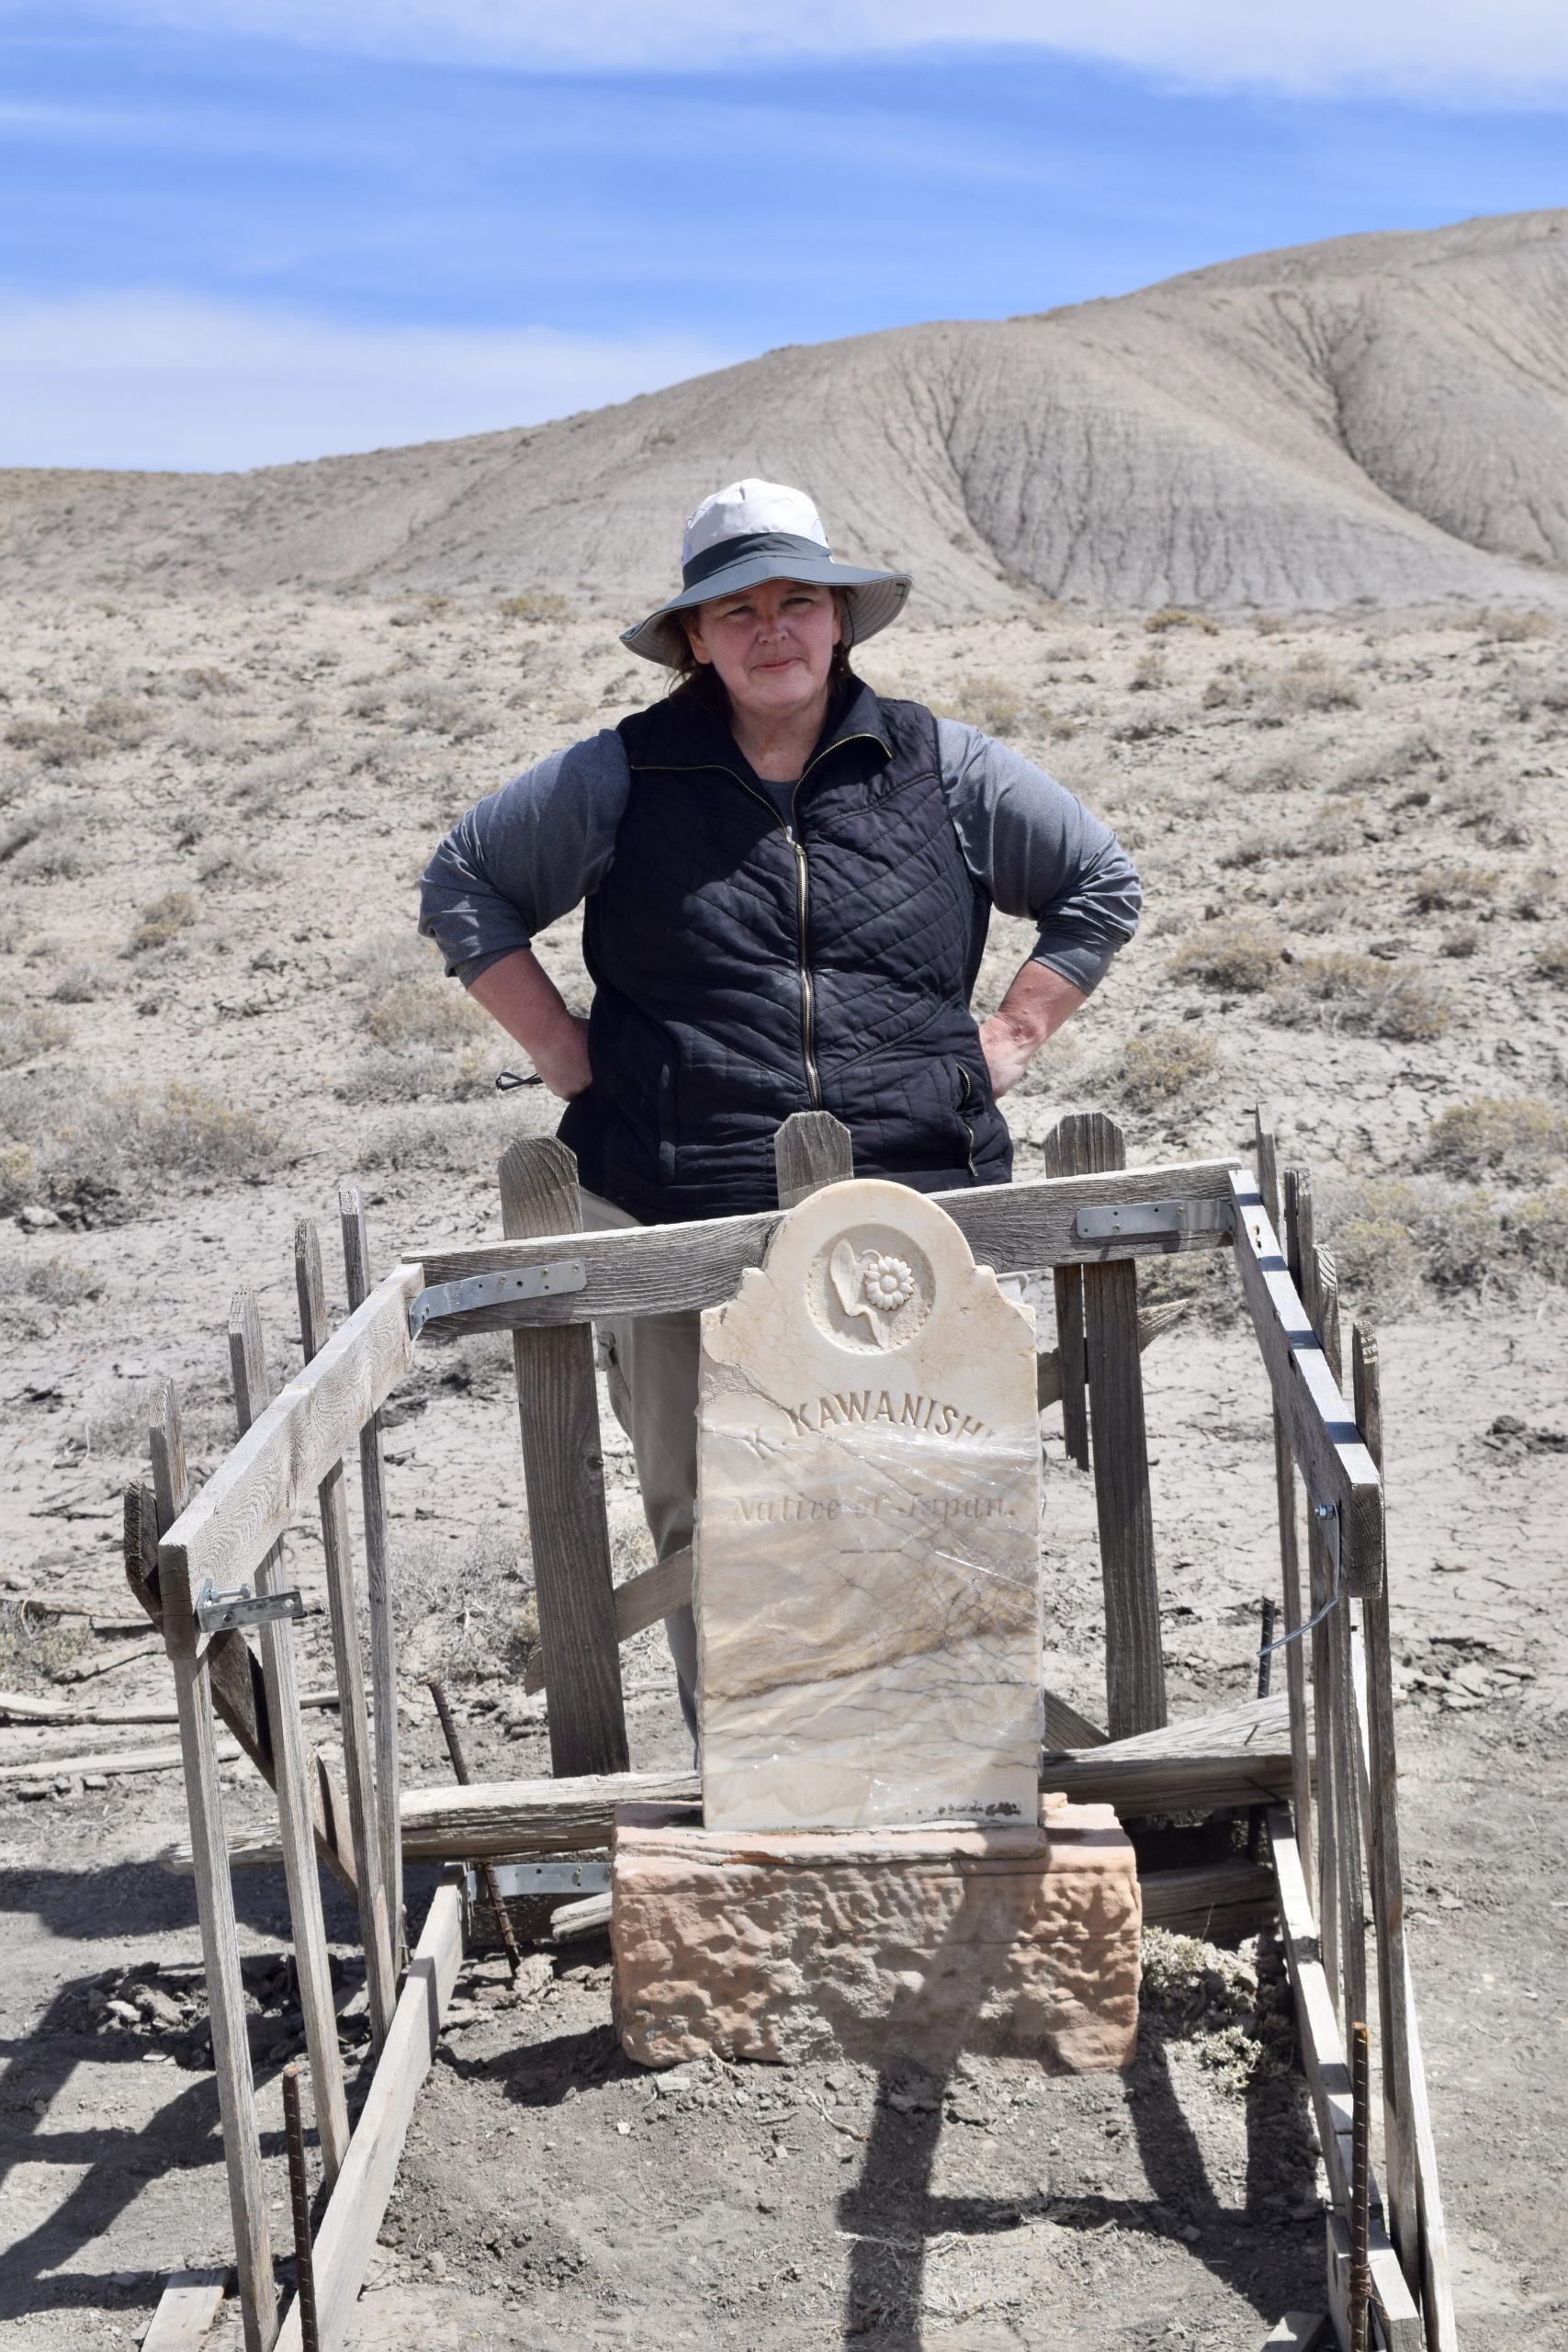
{"points": [[1238, 953], [1164, 1063], [163, 920], [534, 604], [1392, 1000], [1171, 616], [1518, 1135], [27, 1032], [1439, 888], [427, 1010]]}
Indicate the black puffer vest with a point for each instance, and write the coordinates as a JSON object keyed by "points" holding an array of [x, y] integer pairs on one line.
{"points": [[745, 969]]}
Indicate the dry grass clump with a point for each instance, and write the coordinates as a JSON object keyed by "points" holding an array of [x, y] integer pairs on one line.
{"points": [[1396, 1238], [1251, 848], [1391, 1236], [463, 1609], [534, 604], [57, 742], [82, 984], [1514, 1135], [1392, 999], [1461, 942], [263, 784], [1515, 628], [1376, 1253], [233, 865], [983, 700], [1394, 764], [1439, 889], [466, 1140], [422, 1074], [163, 920], [378, 962], [424, 1011], [1485, 810], [438, 711], [1161, 1065], [28, 1031], [34, 1645], [191, 1133], [1551, 960], [18, 1175], [1309, 685], [35, 1292], [115, 722], [199, 680], [45, 845], [1288, 772], [1236, 954], [87, 1153], [1538, 1229], [1171, 616]]}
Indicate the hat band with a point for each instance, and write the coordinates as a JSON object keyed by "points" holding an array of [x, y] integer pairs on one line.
{"points": [[750, 543]]}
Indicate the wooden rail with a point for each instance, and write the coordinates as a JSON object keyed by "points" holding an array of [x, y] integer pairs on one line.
{"points": [[1339, 1472], [234, 1520], [667, 1269]]}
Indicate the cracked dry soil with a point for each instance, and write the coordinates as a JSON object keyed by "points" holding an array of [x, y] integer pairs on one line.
{"points": [[1386, 788]]}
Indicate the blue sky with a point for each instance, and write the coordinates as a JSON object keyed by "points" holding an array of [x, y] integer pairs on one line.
{"points": [[246, 231]]}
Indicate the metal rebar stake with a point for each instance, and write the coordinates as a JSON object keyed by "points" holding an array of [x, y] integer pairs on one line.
{"points": [[1265, 1677], [300, 2205], [487, 1870], [1360, 2280]]}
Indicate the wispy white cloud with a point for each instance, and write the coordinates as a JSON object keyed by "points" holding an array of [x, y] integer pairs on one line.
{"points": [[162, 380], [1460, 51]]}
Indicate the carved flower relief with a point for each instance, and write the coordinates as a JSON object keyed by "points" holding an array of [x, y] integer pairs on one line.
{"points": [[873, 1289], [887, 1282]]}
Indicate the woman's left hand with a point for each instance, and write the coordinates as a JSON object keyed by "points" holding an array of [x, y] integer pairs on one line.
{"points": [[1038, 1002], [1007, 1053]]}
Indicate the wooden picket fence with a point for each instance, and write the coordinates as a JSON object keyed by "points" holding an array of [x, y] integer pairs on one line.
{"points": [[1329, 1786]]}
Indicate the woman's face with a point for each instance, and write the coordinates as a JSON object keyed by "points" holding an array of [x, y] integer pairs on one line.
{"points": [[772, 646]]}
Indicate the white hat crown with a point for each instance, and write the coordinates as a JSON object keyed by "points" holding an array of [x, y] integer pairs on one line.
{"points": [[743, 507]]}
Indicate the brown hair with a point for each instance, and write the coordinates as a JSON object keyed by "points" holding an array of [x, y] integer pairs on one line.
{"points": [[699, 682]]}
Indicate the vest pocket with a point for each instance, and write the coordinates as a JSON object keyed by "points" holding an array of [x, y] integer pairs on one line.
{"points": [[968, 1107]]}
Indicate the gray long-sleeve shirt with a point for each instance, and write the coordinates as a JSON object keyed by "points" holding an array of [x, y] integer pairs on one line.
{"points": [[534, 850]]}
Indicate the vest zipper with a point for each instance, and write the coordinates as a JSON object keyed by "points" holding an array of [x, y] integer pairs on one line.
{"points": [[808, 995], [803, 899]]}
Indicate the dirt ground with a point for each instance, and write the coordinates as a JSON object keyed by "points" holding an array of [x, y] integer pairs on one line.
{"points": [[213, 1008]]}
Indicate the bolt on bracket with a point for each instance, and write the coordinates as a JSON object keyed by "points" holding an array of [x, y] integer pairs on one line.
{"points": [[227, 1612]]}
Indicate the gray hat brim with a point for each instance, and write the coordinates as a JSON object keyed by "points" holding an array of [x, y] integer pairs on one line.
{"points": [[872, 598]]}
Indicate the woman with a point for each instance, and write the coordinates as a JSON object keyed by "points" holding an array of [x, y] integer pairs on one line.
{"points": [[788, 881]]}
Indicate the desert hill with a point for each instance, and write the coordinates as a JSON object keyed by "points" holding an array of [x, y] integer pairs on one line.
{"points": [[1378, 418]]}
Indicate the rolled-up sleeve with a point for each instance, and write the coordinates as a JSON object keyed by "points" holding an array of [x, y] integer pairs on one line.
{"points": [[527, 854], [1040, 853]]}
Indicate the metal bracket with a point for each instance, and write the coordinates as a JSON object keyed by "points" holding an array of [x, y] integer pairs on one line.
{"points": [[1131, 1220], [545, 1878], [496, 1289], [226, 1613]]}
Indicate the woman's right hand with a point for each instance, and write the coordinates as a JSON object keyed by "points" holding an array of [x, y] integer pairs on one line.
{"points": [[521, 995], [562, 1061]]}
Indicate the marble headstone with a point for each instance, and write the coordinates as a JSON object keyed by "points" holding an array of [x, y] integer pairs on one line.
{"points": [[867, 1549]]}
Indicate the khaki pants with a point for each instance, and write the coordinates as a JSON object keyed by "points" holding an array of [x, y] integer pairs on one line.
{"points": [[651, 1368]]}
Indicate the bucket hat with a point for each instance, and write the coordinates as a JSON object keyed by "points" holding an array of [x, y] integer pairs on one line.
{"points": [[754, 531]]}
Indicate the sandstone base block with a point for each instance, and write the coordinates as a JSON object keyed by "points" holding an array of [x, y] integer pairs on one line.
{"points": [[912, 1945]]}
